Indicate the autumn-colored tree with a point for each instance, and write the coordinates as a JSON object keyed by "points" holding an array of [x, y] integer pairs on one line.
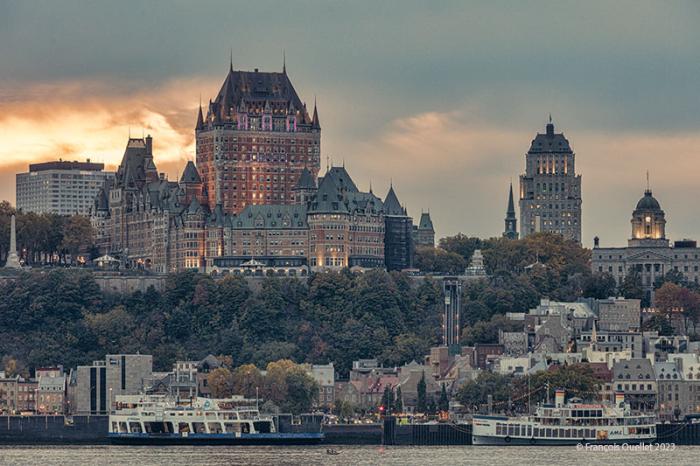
{"points": [[247, 381], [672, 297], [220, 383]]}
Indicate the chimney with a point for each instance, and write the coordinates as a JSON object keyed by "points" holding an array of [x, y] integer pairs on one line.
{"points": [[149, 145], [559, 398]]}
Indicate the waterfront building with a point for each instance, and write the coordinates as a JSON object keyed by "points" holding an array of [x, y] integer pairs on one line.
{"points": [[649, 254], [26, 395], [637, 380], [324, 375], [550, 189], [8, 393], [511, 222], [60, 187], [93, 388], [51, 394], [424, 232]]}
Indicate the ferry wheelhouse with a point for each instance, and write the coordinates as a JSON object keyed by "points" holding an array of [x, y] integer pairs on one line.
{"points": [[567, 424], [157, 419]]}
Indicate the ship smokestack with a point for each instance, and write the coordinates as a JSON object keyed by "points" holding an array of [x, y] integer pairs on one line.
{"points": [[619, 399], [559, 398]]}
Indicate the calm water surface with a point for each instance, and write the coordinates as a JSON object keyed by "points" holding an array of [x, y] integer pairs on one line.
{"points": [[350, 455]]}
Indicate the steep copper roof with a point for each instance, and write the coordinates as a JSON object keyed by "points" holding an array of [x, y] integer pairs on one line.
{"points": [[257, 92]]}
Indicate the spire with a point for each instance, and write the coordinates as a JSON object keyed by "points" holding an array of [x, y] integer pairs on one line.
{"points": [[511, 223], [550, 126], [200, 117], [648, 185], [511, 205], [230, 63], [314, 121], [284, 62]]}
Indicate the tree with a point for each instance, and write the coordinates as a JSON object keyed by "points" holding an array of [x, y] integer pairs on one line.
{"points": [[461, 244], [78, 236], [220, 383], [422, 401], [437, 260], [631, 286], [345, 410], [302, 391], [599, 285], [387, 400], [398, 401], [247, 380], [475, 393], [444, 403], [671, 298]]}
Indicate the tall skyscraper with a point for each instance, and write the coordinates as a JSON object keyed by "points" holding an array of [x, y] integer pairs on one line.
{"points": [[511, 223], [550, 189], [255, 141]]}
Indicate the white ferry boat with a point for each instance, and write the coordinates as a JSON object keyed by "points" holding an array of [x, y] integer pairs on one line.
{"points": [[157, 419], [567, 424]]}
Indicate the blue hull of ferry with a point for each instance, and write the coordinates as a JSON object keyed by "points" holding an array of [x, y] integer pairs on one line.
{"points": [[279, 438]]}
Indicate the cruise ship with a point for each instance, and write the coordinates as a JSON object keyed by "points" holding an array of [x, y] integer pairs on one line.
{"points": [[159, 419], [569, 423]]}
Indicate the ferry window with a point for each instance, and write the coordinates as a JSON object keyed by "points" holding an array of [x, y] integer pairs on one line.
{"points": [[214, 427], [586, 413], [232, 427], [511, 430], [567, 433], [184, 427], [499, 429], [548, 432], [537, 432], [529, 431], [198, 428]]}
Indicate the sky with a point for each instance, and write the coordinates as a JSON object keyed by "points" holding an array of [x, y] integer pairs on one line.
{"points": [[442, 99]]}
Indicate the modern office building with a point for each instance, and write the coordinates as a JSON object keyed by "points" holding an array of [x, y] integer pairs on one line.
{"points": [[93, 388], [61, 187]]}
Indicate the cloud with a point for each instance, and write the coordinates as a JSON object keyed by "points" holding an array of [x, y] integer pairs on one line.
{"points": [[90, 119]]}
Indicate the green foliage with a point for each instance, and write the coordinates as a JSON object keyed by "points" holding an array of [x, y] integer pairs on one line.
{"points": [[61, 316], [398, 401], [475, 392], [422, 401], [438, 260], [45, 238], [444, 402]]}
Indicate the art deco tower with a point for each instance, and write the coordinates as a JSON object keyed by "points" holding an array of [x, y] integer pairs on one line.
{"points": [[550, 189], [255, 141]]}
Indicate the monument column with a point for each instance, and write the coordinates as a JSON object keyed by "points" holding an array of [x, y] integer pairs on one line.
{"points": [[12, 259]]}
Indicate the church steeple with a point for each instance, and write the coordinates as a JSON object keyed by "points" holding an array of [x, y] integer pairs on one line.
{"points": [[511, 223]]}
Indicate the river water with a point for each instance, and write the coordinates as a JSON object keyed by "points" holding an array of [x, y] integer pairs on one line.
{"points": [[347, 455]]}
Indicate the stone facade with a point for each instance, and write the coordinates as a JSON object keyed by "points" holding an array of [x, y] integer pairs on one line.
{"points": [[424, 232], [255, 141], [648, 253], [253, 203], [550, 189]]}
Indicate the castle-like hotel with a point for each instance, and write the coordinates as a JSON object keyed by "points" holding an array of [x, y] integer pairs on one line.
{"points": [[254, 201]]}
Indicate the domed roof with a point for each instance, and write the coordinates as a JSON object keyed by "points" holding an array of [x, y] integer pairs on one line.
{"points": [[648, 202]]}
